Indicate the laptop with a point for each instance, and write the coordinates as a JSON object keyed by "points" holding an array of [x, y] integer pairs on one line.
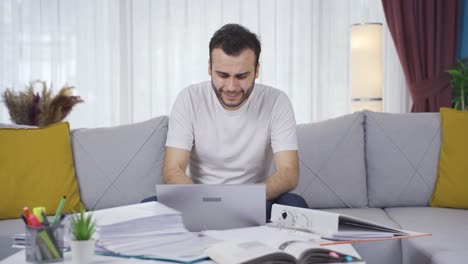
{"points": [[216, 206]]}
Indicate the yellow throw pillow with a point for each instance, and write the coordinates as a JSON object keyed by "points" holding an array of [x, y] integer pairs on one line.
{"points": [[36, 169], [451, 188]]}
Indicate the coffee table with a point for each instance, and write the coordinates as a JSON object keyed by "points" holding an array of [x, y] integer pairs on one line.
{"points": [[20, 258]]}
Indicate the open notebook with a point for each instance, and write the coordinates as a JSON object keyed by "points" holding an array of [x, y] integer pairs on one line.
{"points": [[281, 251], [262, 244]]}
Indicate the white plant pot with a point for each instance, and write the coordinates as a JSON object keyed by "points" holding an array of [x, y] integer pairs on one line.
{"points": [[82, 251]]}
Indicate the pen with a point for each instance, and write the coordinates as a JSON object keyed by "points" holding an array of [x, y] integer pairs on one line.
{"points": [[45, 220], [59, 209], [50, 230], [45, 253], [37, 212], [59, 222], [49, 244], [33, 221], [62, 217], [24, 219], [26, 214]]}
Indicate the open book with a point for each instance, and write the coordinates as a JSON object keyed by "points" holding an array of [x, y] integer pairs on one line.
{"points": [[336, 227], [281, 251]]}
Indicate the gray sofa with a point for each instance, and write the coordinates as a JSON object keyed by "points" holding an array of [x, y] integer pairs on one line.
{"points": [[376, 166]]}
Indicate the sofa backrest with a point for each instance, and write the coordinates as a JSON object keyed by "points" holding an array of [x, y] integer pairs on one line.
{"points": [[402, 155], [357, 160], [332, 166], [119, 165]]}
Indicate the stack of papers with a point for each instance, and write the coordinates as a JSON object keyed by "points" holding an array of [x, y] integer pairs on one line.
{"points": [[19, 241], [263, 233], [148, 231]]}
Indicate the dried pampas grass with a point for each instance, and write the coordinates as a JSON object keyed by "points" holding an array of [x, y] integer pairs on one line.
{"points": [[34, 109]]}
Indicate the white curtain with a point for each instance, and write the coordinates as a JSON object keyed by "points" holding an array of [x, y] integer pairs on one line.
{"points": [[128, 59]]}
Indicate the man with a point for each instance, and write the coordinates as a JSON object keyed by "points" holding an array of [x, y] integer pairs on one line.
{"points": [[231, 129]]}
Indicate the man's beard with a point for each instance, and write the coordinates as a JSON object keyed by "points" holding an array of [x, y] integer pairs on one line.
{"points": [[245, 95]]}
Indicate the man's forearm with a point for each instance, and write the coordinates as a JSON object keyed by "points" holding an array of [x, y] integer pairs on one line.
{"points": [[281, 182], [176, 176]]}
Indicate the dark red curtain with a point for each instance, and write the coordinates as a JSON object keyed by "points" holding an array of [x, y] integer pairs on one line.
{"points": [[425, 35]]}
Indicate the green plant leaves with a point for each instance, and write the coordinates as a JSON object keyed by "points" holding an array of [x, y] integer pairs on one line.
{"points": [[459, 82], [82, 225]]}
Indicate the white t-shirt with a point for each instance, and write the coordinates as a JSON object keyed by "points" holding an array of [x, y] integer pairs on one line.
{"points": [[231, 146]]}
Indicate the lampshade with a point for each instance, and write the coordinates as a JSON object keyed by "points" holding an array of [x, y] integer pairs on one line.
{"points": [[366, 67]]}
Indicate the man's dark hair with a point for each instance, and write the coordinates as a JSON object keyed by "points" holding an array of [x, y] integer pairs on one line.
{"points": [[233, 39]]}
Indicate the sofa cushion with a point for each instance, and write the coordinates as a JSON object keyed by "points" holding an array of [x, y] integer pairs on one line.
{"points": [[119, 165], [459, 256], [36, 169], [452, 179], [448, 229], [402, 153], [331, 160]]}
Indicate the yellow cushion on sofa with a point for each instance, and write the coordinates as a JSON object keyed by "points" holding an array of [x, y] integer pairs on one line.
{"points": [[451, 188], [36, 169]]}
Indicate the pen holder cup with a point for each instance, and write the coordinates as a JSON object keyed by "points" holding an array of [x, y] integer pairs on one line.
{"points": [[44, 244]]}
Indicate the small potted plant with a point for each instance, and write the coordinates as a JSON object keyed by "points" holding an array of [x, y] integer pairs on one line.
{"points": [[82, 244]]}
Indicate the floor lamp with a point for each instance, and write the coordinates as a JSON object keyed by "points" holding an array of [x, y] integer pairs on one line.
{"points": [[366, 67]]}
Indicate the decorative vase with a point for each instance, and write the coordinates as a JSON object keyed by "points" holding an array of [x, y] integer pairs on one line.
{"points": [[82, 251]]}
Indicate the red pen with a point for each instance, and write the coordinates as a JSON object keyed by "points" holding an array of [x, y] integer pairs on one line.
{"points": [[26, 215], [34, 221]]}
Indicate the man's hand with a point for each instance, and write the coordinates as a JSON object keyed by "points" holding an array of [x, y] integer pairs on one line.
{"points": [[286, 176], [175, 164]]}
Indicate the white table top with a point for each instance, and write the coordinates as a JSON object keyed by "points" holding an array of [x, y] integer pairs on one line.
{"points": [[20, 258]]}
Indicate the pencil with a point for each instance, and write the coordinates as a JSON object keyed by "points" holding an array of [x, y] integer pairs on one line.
{"points": [[59, 209]]}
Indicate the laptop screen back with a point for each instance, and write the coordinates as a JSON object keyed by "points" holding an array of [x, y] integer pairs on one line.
{"points": [[216, 207]]}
